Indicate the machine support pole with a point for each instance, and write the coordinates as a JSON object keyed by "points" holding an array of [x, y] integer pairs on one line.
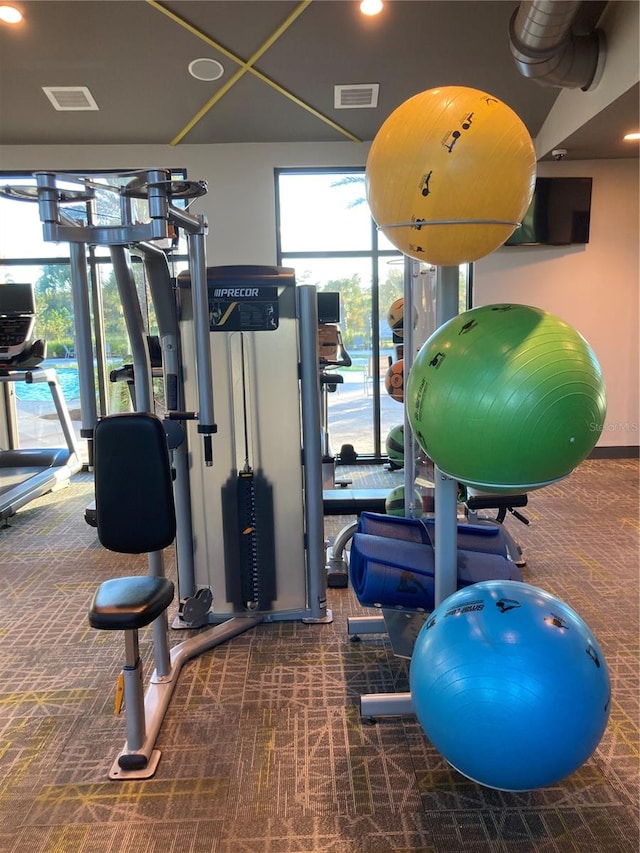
{"points": [[63, 413], [83, 345], [312, 450], [407, 355], [134, 691], [135, 327], [446, 489], [200, 295], [162, 296], [161, 287], [160, 626]]}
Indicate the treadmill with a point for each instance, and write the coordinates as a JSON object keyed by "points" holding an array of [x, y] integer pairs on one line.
{"points": [[26, 474]]}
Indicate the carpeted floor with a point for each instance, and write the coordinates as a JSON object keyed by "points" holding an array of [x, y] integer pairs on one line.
{"points": [[263, 747]]}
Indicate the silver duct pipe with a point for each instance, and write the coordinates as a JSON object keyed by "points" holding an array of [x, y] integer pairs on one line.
{"points": [[545, 48]]}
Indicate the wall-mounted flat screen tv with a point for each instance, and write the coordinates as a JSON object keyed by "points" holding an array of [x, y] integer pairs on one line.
{"points": [[559, 214]]}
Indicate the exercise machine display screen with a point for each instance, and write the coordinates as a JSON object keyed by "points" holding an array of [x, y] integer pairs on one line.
{"points": [[17, 318], [328, 307]]}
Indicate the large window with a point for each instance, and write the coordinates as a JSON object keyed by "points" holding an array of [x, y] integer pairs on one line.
{"points": [[326, 233]]}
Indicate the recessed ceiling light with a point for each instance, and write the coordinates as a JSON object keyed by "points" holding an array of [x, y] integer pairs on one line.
{"points": [[10, 15], [632, 137], [371, 7], [206, 69]]}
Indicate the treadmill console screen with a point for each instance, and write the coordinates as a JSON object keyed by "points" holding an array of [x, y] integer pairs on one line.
{"points": [[328, 307], [17, 318], [17, 299]]}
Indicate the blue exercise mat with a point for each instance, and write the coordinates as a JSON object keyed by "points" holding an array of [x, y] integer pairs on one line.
{"points": [[395, 565], [486, 537]]}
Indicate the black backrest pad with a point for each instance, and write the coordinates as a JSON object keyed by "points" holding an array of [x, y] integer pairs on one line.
{"points": [[134, 497]]}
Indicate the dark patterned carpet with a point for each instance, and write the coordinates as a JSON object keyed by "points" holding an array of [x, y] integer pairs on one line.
{"points": [[263, 747]]}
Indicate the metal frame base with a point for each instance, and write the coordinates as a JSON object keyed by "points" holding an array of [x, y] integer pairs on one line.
{"points": [[160, 690], [386, 705], [118, 774], [319, 620], [357, 625], [374, 705]]}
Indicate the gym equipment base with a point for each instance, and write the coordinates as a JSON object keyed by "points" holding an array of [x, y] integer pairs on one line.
{"points": [[374, 705], [403, 627], [160, 690], [213, 620], [118, 774], [327, 619]]}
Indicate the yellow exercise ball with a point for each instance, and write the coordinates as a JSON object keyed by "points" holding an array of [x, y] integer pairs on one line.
{"points": [[454, 156]]}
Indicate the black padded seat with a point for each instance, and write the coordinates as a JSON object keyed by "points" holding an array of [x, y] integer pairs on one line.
{"points": [[331, 379], [354, 501], [126, 604], [503, 503]]}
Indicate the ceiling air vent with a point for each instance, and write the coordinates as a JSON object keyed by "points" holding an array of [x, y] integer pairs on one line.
{"points": [[66, 98], [356, 97]]}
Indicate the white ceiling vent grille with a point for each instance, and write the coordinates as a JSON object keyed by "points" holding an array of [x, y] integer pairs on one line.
{"points": [[356, 97], [65, 98]]}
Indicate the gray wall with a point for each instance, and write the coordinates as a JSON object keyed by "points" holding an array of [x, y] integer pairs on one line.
{"points": [[593, 287]]}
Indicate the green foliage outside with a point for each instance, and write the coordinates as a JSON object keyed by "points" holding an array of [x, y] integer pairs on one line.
{"points": [[356, 307], [54, 312]]}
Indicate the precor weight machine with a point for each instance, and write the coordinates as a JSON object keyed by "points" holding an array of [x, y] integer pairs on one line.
{"points": [[257, 516], [249, 527]]}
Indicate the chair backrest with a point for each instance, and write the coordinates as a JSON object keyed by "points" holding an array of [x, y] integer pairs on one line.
{"points": [[135, 510]]}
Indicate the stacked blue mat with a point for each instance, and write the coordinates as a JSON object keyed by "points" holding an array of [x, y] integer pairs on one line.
{"points": [[392, 562]]}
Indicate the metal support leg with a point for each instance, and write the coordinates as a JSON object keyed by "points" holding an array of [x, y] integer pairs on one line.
{"points": [[386, 705], [133, 692], [357, 625], [446, 530], [134, 759]]}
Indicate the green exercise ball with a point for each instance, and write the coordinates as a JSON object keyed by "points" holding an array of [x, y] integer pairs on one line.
{"points": [[394, 504], [395, 445], [506, 398]]}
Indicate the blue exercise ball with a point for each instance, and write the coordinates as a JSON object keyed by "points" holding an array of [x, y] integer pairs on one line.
{"points": [[510, 685]]}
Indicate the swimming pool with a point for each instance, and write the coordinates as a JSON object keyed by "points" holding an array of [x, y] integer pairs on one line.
{"points": [[39, 391]]}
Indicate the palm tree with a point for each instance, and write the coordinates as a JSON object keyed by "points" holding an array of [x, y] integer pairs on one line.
{"points": [[357, 180]]}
